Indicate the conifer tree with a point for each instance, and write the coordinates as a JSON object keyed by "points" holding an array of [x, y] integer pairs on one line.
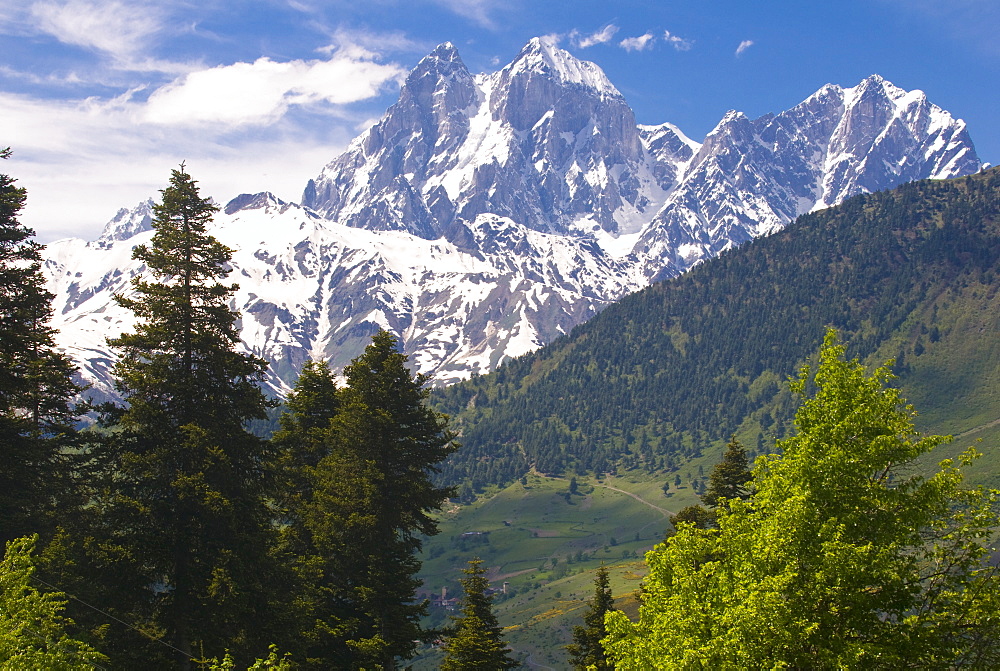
{"points": [[477, 642], [730, 476], [370, 508], [312, 524], [304, 437], [36, 387], [586, 651], [183, 501]]}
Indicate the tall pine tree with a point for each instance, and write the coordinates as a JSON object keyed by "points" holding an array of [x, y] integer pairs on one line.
{"points": [[36, 388], [586, 651], [183, 504], [477, 643], [730, 476], [370, 505]]}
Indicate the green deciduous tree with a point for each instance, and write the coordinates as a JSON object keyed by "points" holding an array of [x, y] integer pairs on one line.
{"points": [[183, 504], [32, 628], [842, 557], [477, 641], [36, 388], [586, 651]]}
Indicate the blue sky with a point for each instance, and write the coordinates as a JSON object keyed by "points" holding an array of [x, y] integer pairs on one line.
{"points": [[100, 98]]}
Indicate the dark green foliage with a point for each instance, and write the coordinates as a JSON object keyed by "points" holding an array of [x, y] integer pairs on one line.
{"points": [[183, 529], [364, 455], [729, 477], [684, 364], [586, 651], [36, 388], [303, 439], [699, 516], [476, 643]]}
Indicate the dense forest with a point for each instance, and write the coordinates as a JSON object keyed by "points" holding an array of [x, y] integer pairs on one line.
{"points": [[684, 364]]}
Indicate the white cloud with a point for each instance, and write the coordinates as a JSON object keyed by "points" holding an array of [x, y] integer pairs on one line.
{"points": [[744, 45], [99, 154], [640, 43], [114, 28], [678, 43], [603, 35], [81, 161], [262, 91]]}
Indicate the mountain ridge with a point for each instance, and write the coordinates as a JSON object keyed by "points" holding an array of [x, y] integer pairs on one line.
{"points": [[531, 200], [672, 371]]}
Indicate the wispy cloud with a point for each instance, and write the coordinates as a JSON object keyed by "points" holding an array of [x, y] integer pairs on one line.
{"points": [[640, 43], [744, 45], [605, 34], [677, 42], [478, 11], [112, 28], [102, 155], [262, 91]]}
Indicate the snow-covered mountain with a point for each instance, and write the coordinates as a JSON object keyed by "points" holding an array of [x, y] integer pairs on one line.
{"points": [[485, 214]]}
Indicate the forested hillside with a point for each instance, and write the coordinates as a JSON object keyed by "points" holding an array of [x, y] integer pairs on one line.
{"points": [[671, 370]]}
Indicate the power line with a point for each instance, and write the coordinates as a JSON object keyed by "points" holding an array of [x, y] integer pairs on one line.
{"points": [[116, 619]]}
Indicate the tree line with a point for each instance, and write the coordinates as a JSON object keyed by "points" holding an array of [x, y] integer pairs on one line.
{"points": [[678, 367]]}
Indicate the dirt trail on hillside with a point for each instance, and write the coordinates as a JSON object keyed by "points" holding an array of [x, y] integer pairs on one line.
{"points": [[663, 511], [987, 425]]}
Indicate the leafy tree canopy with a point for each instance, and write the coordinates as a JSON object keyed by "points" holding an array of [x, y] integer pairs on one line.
{"points": [[32, 629], [842, 558]]}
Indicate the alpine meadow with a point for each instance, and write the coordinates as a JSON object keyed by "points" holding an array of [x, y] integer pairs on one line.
{"points": [[520, 381]]}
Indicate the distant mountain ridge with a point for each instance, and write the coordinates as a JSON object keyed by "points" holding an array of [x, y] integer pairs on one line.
{"points": [[486, 214]]}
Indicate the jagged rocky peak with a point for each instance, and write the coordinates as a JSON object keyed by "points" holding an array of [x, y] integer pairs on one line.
{"points": [[542, 55], [437, 94], [127, 223], [544, 78], [253, 201]]}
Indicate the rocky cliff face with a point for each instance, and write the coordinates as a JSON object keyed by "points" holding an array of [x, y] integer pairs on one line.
{"points": [[485, 215]]}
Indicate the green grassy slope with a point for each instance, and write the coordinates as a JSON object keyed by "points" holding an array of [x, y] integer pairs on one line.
{"points": [[545, 544]]}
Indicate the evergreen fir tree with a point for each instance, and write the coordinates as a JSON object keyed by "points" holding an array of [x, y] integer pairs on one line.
{"points": [[304, 437], [586, 651], [730, 476], [183, 501], [369, 504], [477, 642], [36, 388]]}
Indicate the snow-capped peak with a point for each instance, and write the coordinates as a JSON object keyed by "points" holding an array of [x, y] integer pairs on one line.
{"points": [[127, 223], [485, 215], [543, 55]]}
